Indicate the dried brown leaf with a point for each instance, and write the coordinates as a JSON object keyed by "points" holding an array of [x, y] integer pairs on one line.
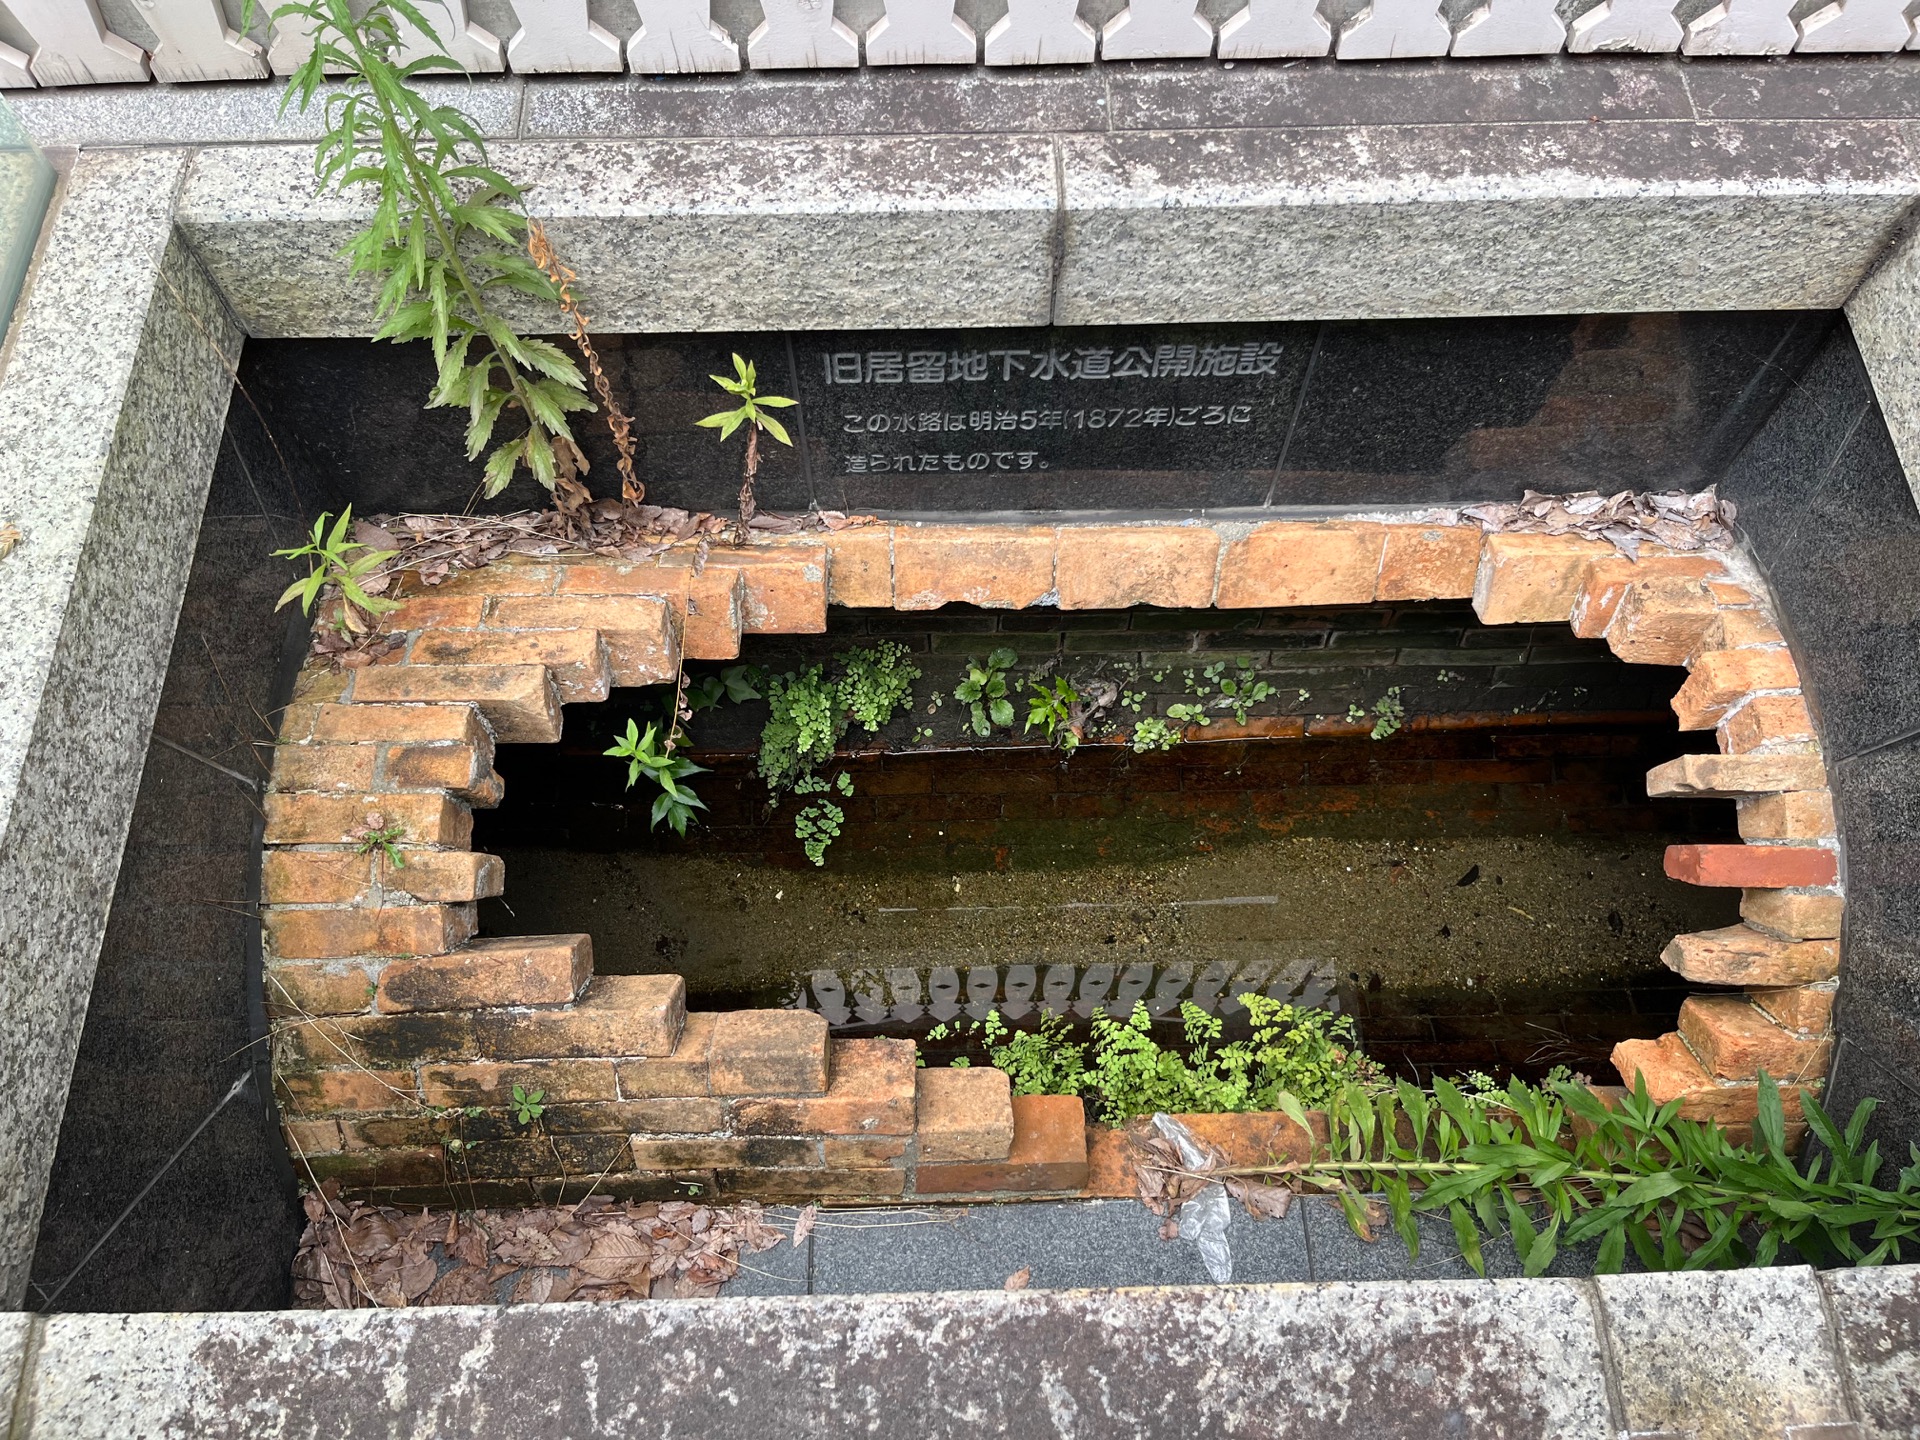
{"points": [[803, 1225], [1018, 1280]]}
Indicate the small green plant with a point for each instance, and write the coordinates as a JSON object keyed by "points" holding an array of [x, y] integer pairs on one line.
{"points": [[1153, 733], [984, 691], [344, 563], [877, 683], [443, 245], [1132, 700], [752, 413], [1243, 690], [1388, 714], [377, 834], [818, 824], [527, 1106], [1189, 715], [676, 802], [735, 685], [1051, 707]]}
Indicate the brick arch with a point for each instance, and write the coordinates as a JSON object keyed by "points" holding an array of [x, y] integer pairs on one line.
{"points": [[391, 1014]]}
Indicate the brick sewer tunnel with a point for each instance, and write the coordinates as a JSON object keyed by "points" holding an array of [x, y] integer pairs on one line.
{"points": [[1481, 887]]}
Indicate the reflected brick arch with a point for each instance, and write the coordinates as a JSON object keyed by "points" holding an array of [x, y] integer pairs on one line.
{"points": [[400, 1035]]}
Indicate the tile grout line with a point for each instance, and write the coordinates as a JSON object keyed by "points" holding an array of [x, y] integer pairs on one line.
{"points": [[19, 1418], [1842, 1361], [1610, 1371]]}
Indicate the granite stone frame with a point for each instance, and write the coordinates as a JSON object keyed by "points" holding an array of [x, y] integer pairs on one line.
{"points": [[172, 255]]}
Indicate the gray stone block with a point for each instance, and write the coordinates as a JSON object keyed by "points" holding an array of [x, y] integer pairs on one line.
{"points": [[1446, 220], [683, 235], [1727, 1355], [1391, 1362], [16, 1330], [1877, 1317], [784, 1270], [1884, 314]]}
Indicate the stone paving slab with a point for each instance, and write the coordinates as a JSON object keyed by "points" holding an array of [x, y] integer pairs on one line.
{"points": [[1877, 1319]]}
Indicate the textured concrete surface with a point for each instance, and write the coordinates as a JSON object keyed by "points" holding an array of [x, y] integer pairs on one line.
{"points": [[1877, 1317], [109, 412], [1885, 315], [15, 1332], [1723, 1356]]}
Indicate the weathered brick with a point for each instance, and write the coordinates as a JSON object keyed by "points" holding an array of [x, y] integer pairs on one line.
{"points": [[860, 567], [871, 1093], [964, 1114], [1672, 1072], [715, 613], [356, 1169], [1768, 722], [308, 987], [1734, 1041], [511, 970], [1426, 562], [312, 1137], [1003, 567], [577, 659], [700, 1153], [1736, 776], [618, 1015], [1721, 679], [1049, 1152], [449, 875], [306, 818], [1662, 620], [319, 682], [520, 702], [1755, 866], [1609, 577], [624, 577], [1112, 567], [343, 1092], [784, 588], [395, 1132], [802, 1185], [458, 768], [643, 643], [1791, 815], [686, 1115], [509, 575], [1296, 563], [584, 1156], [316, 877], [1741, 955], [769, 1052], [863, 1152], [328, 768], [490, 1083], [635, 1185], [421, 724], [392, 930], [1807, 1008], [684, 1072], [1793, 915], [378, 1042], [430, 611], [1740, 628], [1532, 578]]}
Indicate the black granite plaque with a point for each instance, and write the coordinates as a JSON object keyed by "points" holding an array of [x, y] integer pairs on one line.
{"points": [[1094, 418]]}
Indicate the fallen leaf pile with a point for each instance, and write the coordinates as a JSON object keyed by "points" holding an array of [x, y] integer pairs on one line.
{"points": [[1628, 520], [353, 1255], [1166, 1183]]}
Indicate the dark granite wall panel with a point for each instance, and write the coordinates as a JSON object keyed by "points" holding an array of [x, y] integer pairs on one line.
{"points": [[1828, 510]]}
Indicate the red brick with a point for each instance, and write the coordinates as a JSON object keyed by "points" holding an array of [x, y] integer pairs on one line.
{"points": [[785, 589], [1757, 866], [448, 875], [1793, 915], [461, 769], [325, 768], [799, 1186], [666, 582], [1662, 620], [643, 645], [1768, 722], [1112, 567], [863, 1152], [519, 701], [1295, 563], [963, 1114], [319, 683], [683, 1073], [421, 724], [359, 1169], [871, 1092], [1609, 577], [429, 611], [1792, 815], [394, 930], [316, 877], [767, 1152], [529, 970], [860, 567], [1533, 578], [1429, 562], [343, 1092], [1736, 776], [1721, 679], [1003, 567], [1734, 1041], [665, 1115], [483, 1082], [311, 819], [1740, 628], [768, 1052], [1673, 1073], [509, 575], [1741, 955], [577, 659], [715, 613], [1807, 1008], [619, 1015], [323, 987], [312, 1137], [1049, 1152]]}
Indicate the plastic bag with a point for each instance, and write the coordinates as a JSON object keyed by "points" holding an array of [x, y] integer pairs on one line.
{"points": [[1205, 1217]]}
